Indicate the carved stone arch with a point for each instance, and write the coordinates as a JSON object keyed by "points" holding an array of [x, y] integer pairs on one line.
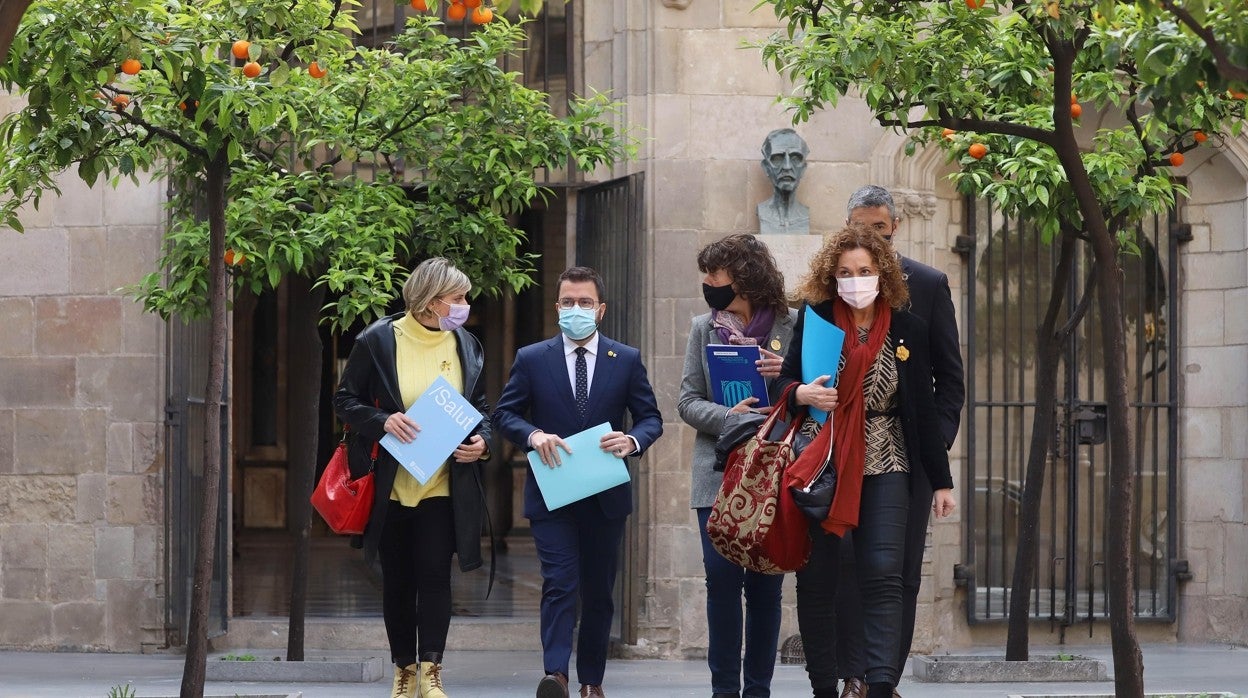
{"points": [[912, 180]]}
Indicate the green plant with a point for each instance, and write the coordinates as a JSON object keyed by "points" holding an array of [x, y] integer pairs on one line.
{"points": [[239, 658], [1063, 657], [121, 692]]}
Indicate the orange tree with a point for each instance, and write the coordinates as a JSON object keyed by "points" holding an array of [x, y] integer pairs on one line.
{"points": [[300, 177], [1001, 86]]}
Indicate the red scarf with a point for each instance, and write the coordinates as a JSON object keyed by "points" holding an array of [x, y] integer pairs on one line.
{"points": [[850, 418]]}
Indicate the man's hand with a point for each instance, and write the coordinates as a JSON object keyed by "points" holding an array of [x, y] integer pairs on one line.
{"points": [[744, 406], [769, 363], [616, 443], [470, 452], [943, 503], [402, 427], [547, 447]]}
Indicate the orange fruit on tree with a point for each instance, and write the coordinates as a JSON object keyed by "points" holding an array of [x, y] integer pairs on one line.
{"points": [[456, 11], [1074, 98], [948, 133], [1239, 95], [472, 4], [482, 15], [1176, 159], [121, 102], [977, 150], [420, 5], [233, 258], [131, 66], [1076, 111], [181, 106], [1200, 137], [251, 69], [241, 49], [974, 4], [316, 71]]}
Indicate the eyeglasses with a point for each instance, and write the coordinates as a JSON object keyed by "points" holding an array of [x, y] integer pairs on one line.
{"points": [[582, 303]]}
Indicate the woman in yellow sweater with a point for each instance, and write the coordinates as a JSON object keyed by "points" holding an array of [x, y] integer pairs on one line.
{"points": [[415, 528]]}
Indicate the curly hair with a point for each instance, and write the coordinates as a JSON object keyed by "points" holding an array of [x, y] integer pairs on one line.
{"points": [[819, 284], [755, 276]]}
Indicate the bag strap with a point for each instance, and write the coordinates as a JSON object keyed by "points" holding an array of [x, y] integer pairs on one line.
{"points": [[779, 410]]}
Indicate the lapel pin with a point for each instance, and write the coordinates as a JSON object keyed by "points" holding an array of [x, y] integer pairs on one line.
{"points": [[611, 354], [775, 344], [902, 353]]}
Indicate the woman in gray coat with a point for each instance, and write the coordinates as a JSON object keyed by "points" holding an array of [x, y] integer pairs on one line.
{"points": [[745, 292]]}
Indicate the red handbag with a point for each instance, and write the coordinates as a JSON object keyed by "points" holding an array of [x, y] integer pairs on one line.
{"points": [[754, 522], [345, 504]]}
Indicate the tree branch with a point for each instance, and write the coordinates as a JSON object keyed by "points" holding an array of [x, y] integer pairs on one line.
{"points": [[1226, 67], [1004, 128], [1081, 308], [165, 133]]}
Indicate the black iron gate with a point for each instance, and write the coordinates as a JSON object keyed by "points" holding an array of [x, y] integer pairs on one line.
{"points": [[187, 376], [1010, 274], [609, 238]]}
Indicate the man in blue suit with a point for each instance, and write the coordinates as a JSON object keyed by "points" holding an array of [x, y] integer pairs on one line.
{"points": [[559, 387]]}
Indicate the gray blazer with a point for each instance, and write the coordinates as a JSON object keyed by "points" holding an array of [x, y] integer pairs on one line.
{"points": [[697, 409]]}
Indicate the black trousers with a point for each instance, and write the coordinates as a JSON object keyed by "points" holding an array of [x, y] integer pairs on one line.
{"points": [[879, 556], [849, 638], [415, 550]]}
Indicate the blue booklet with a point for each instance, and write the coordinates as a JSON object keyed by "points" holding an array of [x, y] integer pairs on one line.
{"points": [[822, 342], [445, 419], [734, 374], [583, 473]]}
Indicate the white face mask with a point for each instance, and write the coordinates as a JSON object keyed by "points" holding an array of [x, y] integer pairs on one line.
{"points": [[858, 291]]}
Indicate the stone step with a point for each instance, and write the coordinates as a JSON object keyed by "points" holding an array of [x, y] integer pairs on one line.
{"points": [[351, 634]]}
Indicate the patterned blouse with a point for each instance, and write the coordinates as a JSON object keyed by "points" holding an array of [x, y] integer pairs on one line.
{"points": [[886, 443]]}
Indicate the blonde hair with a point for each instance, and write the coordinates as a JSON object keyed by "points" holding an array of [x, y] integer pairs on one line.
{"points": [[433, 278], [819, 284]]}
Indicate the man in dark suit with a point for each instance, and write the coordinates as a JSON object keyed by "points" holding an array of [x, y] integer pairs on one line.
{"points": [[559, 387], [932, 302]]}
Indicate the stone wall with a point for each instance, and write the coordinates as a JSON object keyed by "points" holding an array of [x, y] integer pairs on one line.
{"points": [[1213, 440], [81, 366]]}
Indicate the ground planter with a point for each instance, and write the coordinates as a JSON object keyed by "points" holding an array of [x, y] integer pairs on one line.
{"points": [[312, 670], [954, 668], [1197, 694]]}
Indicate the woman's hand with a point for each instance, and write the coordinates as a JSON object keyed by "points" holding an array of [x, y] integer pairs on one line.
{"points": [[943, 503], [744, 406], [402, 427], [769, 363], [816, 394], [471, 451]]}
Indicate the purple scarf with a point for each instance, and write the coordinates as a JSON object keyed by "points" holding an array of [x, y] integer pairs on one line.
{"points": [[733, 331]]}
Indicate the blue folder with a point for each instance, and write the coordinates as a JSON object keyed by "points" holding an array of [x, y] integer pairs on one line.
{"points": [[585, 472], [445, 419], [822, 342], [734, 374]]}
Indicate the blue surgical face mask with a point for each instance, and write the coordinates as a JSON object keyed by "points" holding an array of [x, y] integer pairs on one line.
{"points": [[578, 323]]}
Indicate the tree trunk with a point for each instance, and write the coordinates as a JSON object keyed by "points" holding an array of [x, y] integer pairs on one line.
{"points": [[1048, 350], [305, 394], [201, 589], [1120, 558]]}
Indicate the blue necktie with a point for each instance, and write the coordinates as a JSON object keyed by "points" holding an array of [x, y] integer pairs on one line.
{"points": [[582, 382]]}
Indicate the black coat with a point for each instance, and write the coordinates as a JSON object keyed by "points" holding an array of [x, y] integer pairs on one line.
{"points": [[368, 393], [925, 447], [932, 302]]}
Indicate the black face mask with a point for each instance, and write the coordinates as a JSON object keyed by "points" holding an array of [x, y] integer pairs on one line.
{"points": [[718, 297]]}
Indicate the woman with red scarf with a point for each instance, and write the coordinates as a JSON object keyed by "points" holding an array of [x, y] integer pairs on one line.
{"points": [[885, 426]]}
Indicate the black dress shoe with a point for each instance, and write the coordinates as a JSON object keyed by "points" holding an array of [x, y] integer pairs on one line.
{"points": [[553, 686], [725, 695]]}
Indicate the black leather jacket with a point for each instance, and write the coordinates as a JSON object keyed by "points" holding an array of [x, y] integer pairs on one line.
{"points": [[368, 393]]}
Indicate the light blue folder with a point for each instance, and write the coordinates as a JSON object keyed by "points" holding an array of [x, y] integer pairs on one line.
{"points": [[445, 419], [585, 472], [821, 353]]}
